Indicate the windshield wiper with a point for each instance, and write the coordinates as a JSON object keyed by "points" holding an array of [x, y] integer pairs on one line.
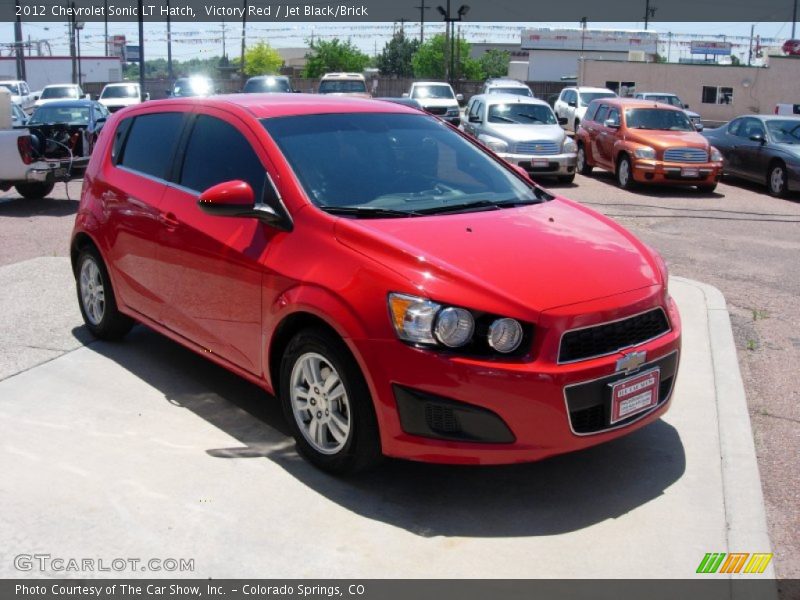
{"points": [[478, 205], [369, 212]]}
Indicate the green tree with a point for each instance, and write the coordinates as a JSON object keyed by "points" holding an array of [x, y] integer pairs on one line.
{"points": [[395, 59], [332, 56], [428, 61], [494, 62], [262, 59]]}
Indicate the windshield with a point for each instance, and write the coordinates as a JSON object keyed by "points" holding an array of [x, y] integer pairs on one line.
{"points": [[342, 86], [432, 91], [671, 100], [78, 115], [785, 132], [60, 92], [516, 112], [11, 87], [657, 118], [587, 97], [267, 85], [120, 91], [386, 164], [516, 90], [192, 87]]}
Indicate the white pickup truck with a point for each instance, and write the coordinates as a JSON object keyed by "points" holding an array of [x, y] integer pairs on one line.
{"points": [[787, 109], [20, 167], [21, 94]]}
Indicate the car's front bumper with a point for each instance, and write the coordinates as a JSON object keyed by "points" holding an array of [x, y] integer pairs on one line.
{"points": [[555, 165], [657, 171], [512, 410]]}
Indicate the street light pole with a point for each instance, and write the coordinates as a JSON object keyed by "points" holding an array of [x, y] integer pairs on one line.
{"points": [[169, 44], [78, 26], [141, 51], [244, 36], [18, 50], [794, 18]]}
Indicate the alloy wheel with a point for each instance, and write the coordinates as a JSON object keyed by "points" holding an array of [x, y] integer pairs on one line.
{"points": [[92, 291], [777, 181]]}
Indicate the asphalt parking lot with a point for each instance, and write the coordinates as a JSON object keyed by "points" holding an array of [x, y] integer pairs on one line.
{"points": [[739, 240]]}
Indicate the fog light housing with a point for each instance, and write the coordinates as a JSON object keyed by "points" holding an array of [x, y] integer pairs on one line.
{"points": [[454, 327], [505, 335]]}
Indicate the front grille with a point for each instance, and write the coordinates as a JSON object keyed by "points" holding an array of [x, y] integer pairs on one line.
{"points": [[580, 344], [685, 155], [437, 110], [539, 147]]}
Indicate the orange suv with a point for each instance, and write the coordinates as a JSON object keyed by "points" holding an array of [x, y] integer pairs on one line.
{"points": [[645, 142]]}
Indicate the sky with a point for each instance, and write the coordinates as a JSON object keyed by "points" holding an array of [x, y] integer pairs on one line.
{"points": [[205, 39]]}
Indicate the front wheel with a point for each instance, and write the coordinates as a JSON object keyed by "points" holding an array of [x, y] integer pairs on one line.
{"points": [[624, 173], [96, 298], [707, 189], [581, 165], [566, 178], [35, 190], [327, 404], [776, 180]]}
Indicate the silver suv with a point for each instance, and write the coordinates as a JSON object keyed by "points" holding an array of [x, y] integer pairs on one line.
{"points": [[524, 132]]}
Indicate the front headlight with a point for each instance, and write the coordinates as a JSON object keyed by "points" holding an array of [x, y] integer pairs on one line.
{"points": [[454, 326], [716, 155], [569, 145], [495, 144], [505, 335], [645, 152], [413, 318], [452, 112]]}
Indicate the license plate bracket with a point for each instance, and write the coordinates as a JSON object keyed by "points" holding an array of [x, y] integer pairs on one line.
{"points": [[690, 172], [634, 395]]}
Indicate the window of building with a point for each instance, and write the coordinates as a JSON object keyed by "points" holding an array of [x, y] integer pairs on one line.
{"points": [[625, 89], [717, 95]]}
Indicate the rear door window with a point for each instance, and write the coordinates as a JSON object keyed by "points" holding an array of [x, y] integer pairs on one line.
{"points": [[151, 143]]}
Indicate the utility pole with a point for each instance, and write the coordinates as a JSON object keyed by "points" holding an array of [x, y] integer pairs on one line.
{"points": [[169, 44], [583, 43], [794, 18], [141, 51], [244, 35], [422, 8], [649, 13], [105, 24], [18, 45], [750, 49], [72, 44]]}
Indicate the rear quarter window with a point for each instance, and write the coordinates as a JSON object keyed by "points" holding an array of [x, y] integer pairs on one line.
{"points": [[151, 142]]}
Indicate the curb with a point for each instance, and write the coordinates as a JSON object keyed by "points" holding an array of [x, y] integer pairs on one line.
{"points": [[744, 502]]}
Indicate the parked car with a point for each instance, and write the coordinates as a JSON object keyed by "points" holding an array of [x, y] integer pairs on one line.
{"points": [[120, 95], [787, 109], [643, 142], [20, 93], [572, 103], [58, 92], [524, 132], [268, 84], [761, 148], [344, 84], [506, 86], [791, 47], [404, 101], [188, 87], [672, 100], [438, 99], [364, 263]]}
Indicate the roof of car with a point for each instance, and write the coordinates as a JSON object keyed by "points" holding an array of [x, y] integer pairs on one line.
{"points": [[634, 103], [772, 117], [586, 88], [431, 83], [262, 106], [54, 85], [121, 83], [656, 94], [260, 77], [506, 83], [509, 99]]}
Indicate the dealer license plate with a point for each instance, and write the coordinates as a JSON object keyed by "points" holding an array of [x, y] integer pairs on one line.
{"points": [[634, 395], [539, 163], [690, 172]]}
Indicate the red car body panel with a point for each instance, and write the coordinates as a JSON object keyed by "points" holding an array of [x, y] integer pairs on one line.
{"points": [[224, 286]]}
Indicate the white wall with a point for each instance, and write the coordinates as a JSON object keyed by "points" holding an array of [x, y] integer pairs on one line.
{"points": [[42, 71], [552, 65]]}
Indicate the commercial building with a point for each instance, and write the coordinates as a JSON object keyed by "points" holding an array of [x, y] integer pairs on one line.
{"points": [[45, 70]]}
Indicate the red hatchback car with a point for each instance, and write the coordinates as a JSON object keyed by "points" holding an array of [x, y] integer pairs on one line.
{"points": [[402, 290]]}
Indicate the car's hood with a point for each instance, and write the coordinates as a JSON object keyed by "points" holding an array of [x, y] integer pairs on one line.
{"points": [[426, 102], [41, 101], [522, 133], [534, 258], [662, 140], [119, 101], [349, 94], [793, 150], [691, 114]]}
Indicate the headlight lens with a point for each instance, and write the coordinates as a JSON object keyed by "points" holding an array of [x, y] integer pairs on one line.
{"points": [[454, 327], [645, 152], [495, 144], [716, 155], [413, 318], [452, 112], [569, 145], [505, 335]]}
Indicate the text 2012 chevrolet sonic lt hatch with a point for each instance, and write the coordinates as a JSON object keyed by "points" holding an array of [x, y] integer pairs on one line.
{"points": [[402, 290]]}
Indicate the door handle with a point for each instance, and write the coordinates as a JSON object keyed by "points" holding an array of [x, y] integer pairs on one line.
{"points": [[169, 220]]}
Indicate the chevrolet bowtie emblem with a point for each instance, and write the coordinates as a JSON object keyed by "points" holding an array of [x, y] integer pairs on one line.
{"points": [[632, 361]]}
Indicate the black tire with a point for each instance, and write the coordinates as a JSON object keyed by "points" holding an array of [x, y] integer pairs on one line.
{"points": [[34, 190], [624, 173], [111, 324], [582, 164], [707, 189], [575, 125], [777, 180], [361, 448], [566, 178]]}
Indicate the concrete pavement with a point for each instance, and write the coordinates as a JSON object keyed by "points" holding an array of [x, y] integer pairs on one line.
{"points": [[142, 449]]}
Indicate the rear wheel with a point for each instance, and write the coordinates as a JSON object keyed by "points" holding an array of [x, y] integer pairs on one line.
{"points": [[35, 190], [624, 173], [707, 189], [566, 178], [96, 298], [776, 180], [327, 404], [583, 167]]}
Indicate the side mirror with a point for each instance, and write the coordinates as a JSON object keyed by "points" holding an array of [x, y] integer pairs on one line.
{"points": [[562, 120], [168, 93], [405, 94], [147, 96], [98, 124], [474, 119], [459, 97], [237, 199], [757, 137], [611, 123], [699, 126], [572, 103], [685, 106]]}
